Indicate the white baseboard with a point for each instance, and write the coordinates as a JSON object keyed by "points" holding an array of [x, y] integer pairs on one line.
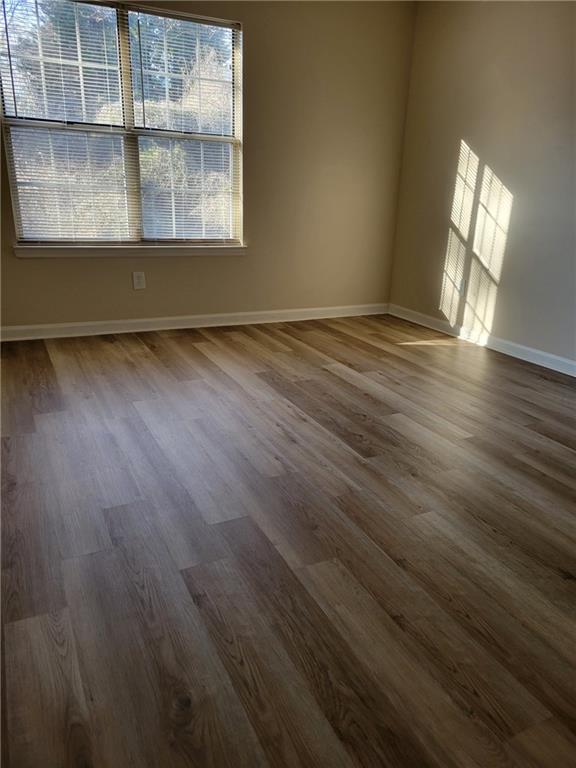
{"points": [[61, 330], [531, 355], [426, 320]]}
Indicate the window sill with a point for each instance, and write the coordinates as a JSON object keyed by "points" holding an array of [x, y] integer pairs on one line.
{"points": [[158, 250]]}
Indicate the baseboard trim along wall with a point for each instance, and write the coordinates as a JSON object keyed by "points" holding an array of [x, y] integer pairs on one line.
{"points": [[529, 354], [61, 330]]}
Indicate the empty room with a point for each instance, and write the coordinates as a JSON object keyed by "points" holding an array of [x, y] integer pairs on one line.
{"points": [[288, 384]]}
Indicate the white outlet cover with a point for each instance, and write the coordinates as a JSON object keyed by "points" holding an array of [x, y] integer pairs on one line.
{"points": [[138, 280]]}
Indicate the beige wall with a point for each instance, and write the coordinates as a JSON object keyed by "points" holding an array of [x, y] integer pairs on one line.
{"points": [[325, 91], [501, 77]]}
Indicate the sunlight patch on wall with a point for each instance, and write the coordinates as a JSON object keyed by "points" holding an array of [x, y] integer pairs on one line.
{"points": [[464, 187], [473, 265], [480, 305], [454, 262], [492, 223]]}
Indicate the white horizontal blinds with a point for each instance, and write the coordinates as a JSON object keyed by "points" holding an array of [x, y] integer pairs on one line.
{"points": [[183, 79], [187, 189], [182, 73], [64, 61], [63, 65], [72, 185], [149, 108]]}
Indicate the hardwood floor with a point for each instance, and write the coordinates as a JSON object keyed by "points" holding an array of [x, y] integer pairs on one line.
{"points": [[331, 544]]}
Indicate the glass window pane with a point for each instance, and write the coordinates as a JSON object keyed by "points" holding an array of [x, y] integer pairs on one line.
{"points": [[215, 55], [69, 184], [64, 59], [182, 74], [186, 189]]}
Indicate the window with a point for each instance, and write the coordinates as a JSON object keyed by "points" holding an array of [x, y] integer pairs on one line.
{"points": [[121, 125]]}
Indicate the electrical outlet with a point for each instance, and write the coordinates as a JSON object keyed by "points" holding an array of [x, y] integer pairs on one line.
{"points": [[138, 280]]}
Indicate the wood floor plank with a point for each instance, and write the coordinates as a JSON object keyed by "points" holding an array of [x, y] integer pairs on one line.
{"points": [[49, 722], [292, 729], [31, 557], [450, 655], [342, 689], [175, 514], [342, 543], [546, 745], [527, 656], [132, 614], [509, 591], [29, 371], [375, 637]]}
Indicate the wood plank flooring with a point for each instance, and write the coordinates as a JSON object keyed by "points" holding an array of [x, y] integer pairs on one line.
{"points": [[347, 543]]}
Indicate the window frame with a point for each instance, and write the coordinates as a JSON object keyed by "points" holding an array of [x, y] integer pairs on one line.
{"points": [[141, 246]]}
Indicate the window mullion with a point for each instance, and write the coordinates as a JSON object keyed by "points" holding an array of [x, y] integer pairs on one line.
{"points": [[131, 158]]}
